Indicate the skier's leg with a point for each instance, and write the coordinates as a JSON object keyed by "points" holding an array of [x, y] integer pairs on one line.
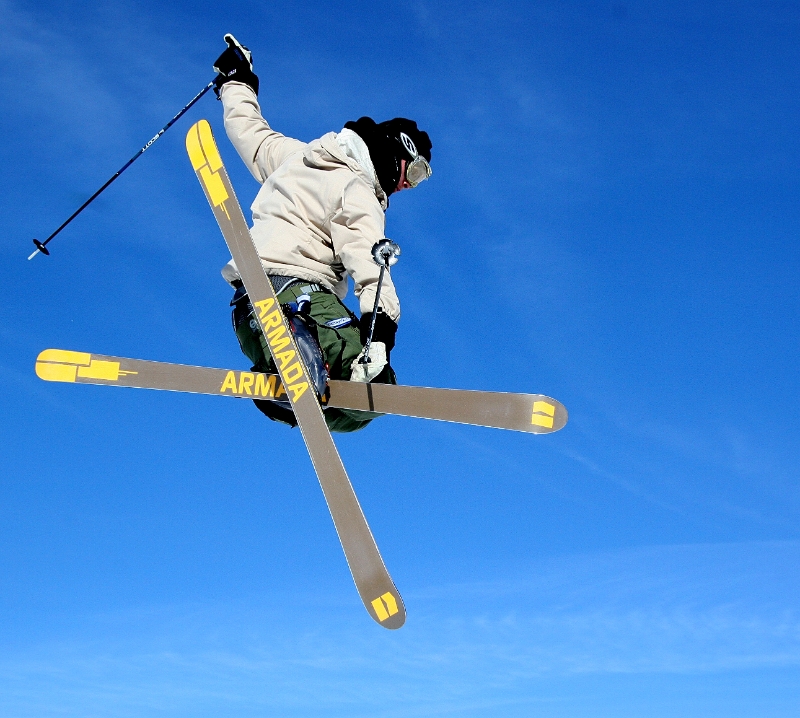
{"points": [[340, 340], [251, 342], [254, 347], [336, 329]]}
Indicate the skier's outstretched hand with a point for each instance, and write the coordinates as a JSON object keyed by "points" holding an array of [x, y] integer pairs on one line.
{"points": [[235, 65], [377, 363]]}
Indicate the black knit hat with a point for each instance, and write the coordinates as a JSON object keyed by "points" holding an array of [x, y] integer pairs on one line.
{"points": [[386, 148]]}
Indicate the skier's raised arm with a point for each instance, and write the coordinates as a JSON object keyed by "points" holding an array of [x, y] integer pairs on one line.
{"points": [[261, 148]]}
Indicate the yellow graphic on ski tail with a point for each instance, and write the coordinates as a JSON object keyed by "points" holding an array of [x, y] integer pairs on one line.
{"points": [[543, 414], [67, 366], [385, 606], [206, 161]]}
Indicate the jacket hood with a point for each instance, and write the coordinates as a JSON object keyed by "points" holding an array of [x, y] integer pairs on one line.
{"points": [[327, 153]]}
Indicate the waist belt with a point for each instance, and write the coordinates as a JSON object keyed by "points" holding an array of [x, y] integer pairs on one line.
{"points": [[279, 283]]}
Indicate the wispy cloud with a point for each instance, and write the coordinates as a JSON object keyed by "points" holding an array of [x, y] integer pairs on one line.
{"points": [[662, 610]]}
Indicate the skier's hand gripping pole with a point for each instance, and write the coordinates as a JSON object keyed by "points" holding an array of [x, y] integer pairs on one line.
{"points": [[367, 367], [235, 65], [41, 247]]}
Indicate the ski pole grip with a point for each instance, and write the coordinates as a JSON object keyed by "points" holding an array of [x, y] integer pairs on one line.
{"points": [[385, 253]]}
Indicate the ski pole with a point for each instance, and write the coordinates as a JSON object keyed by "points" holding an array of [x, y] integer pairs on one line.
{"points": [[42, 246], [385, 253]]}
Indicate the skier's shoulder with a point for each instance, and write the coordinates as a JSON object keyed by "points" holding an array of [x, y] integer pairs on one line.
{"points": [[325, 153], [358, 197], [346, 173]]}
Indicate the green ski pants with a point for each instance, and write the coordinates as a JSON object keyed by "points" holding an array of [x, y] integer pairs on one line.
{"points": [[340, 346]]}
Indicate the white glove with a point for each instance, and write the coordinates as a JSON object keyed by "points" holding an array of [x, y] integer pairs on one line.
{"points": [[377, 362]]}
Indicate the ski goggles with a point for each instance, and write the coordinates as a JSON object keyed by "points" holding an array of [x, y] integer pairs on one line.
{"points": [[418, 170]]}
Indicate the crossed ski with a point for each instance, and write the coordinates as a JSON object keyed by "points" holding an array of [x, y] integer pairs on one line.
{"points": [[532, 413], [374, 584], [519, 412]]}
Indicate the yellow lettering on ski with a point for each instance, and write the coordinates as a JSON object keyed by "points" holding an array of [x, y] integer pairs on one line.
{"points": [[298, 390], [273, 319], [293, 373], [229, 383], [246, 383], [277, 340], [265, 385], [284, 358], [280, 344], [264, 306]]}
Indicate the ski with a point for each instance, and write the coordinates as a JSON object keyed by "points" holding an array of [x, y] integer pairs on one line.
{"points": [[532, 413], [374, 584]]}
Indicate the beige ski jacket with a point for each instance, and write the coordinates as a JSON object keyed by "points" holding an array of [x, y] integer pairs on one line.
{"points": [[320, 208]]}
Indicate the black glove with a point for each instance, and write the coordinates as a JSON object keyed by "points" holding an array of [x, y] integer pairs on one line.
{"points": [[235, 64], [385, 329]]}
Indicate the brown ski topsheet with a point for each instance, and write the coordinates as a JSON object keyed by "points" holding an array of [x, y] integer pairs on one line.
{"points": [[532, 413], [374, 584]]}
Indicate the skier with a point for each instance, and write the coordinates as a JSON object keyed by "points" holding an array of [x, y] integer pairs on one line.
{"points": [[316, 218]]}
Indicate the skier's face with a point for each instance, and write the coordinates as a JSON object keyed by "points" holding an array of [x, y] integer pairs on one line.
{"points": [[403, 182]]}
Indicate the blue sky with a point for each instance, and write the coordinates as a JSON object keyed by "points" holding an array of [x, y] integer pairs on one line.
{"points": [[612, 221]]}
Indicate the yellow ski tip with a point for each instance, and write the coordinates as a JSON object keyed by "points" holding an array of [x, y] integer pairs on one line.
{"points": [[196, 155], [60, 365], [201, 146], [206, 162], [63, 356], [66, 366]]}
